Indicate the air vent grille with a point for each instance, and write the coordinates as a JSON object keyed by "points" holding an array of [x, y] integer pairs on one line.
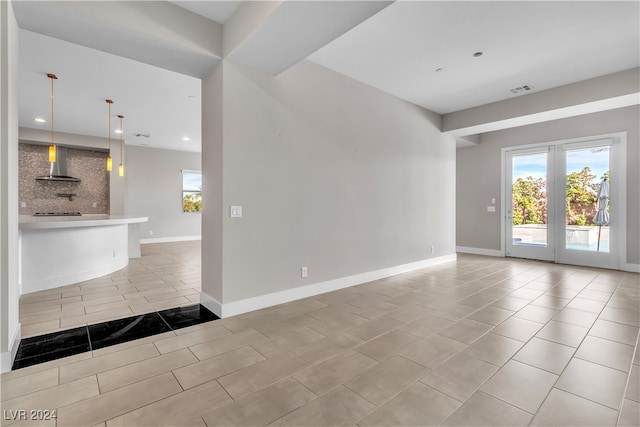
{"points": [[521, 89]]}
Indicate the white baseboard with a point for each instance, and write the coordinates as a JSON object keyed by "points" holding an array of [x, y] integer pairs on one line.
{"points": [[479, 251], [7, 357], [211, 303], [250, 304], [169, 239], [632, 268]]}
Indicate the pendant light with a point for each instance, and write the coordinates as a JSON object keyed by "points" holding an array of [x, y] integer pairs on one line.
{"points": [[121, 168], [52, 146], [109, 159]]}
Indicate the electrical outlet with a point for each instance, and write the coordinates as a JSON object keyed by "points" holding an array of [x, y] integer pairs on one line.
{"points": [[23, 204], [304, 272], [150, 232], [95, 205], [433, 249]]}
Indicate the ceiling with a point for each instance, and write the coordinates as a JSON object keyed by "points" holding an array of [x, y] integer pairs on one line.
{"points": [[160, 103], [543, 44], [218, 11]]}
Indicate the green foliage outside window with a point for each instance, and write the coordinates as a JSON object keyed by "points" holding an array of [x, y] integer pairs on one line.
{"points": [[530, 198], [192, 202], [191, 191], [529, 201]]}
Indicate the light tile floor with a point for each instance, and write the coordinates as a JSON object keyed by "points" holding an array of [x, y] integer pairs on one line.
{"points": [[167, 275], [480, 341]]}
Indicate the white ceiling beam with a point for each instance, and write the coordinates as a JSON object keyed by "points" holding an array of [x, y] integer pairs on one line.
{"points": [[244, 21], [616, 90], [546, 116], [156, 33], [279, 35], [467, 141]]}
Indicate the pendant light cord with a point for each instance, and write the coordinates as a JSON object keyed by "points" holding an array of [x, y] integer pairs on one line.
{"points": [[52, 147], [52, 77], [121, 167], [121, 133], [51, 108], [109, 160]]}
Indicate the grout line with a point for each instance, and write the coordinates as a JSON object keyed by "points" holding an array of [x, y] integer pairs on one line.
{"points": [[89, 338], [165, 321], [626, 386]]}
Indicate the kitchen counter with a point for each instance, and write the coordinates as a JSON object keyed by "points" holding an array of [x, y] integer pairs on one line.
{"points": [[48, 222], [58, 251]]}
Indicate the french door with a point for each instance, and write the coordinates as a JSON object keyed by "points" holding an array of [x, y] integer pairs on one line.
{"points": [[562, 203], [530, 203]]}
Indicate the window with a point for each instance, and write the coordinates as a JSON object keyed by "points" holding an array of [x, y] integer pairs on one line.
{"points": [[191, 191]]}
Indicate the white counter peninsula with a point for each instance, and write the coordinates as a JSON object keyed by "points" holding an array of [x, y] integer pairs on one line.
{"points": [[61, 250]]}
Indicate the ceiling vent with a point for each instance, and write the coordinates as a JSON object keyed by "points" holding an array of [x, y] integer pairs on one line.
{"points": [[143, 135], [521, 89]]}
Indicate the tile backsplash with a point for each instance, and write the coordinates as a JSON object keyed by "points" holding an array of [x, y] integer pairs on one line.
{"points": [[42, 196]]}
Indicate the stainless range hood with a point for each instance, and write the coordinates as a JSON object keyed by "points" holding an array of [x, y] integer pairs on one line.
{"points": [[58, 171]]}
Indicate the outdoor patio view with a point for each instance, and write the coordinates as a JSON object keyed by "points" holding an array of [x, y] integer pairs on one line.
{"points": [[586, 199]]}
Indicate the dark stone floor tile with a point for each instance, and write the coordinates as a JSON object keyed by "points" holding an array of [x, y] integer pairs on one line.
{"points": [[55, 341], [181, 317], [56, 345], [122, 330], [52, 355]]}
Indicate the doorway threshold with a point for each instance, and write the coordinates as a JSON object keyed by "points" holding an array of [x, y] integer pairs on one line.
{"points": [[56, 345]]}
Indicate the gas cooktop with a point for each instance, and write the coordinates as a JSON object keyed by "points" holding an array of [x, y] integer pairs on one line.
{"points": [[57, 214]]}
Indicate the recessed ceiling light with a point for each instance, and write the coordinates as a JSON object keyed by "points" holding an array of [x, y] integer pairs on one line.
{"points": [[192, 97], [118, 131], [39, 120], [186, 138], [477, 54]]}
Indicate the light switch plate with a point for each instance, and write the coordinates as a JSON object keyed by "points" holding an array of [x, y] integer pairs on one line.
{"points": [[235, 212]]}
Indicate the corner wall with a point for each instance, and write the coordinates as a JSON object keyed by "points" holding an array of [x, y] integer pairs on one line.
{"points": [[332, 175], [212, 185], [9, 292], [478, 173]]}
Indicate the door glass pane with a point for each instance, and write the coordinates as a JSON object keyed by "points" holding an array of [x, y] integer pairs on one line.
{"points": [[587, 214], [529, 200]]}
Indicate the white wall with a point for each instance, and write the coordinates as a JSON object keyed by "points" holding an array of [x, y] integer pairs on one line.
{"points": [[9, 293], [478, 173], [212, 185], [332, 174], [154, 189]]}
